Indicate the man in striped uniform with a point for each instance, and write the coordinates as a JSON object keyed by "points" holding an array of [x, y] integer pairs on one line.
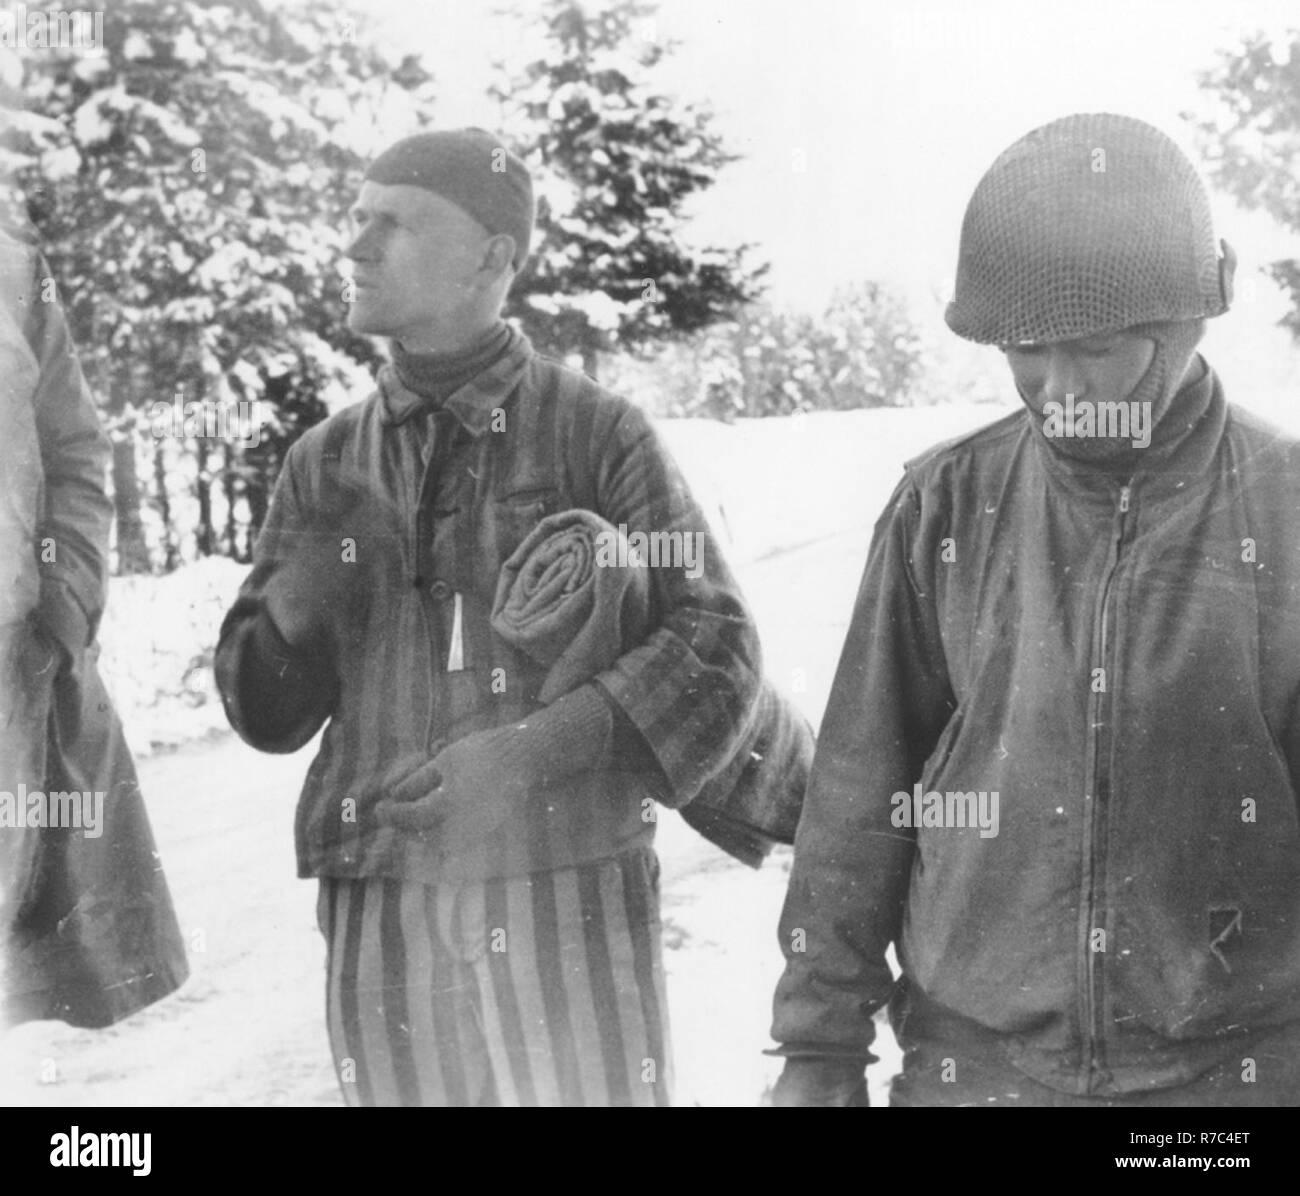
{"points": [[488, 889]]}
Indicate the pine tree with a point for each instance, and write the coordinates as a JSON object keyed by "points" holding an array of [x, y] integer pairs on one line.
{"points": [[189, 186], [862, 351], [615, 161], [1251, 137]]}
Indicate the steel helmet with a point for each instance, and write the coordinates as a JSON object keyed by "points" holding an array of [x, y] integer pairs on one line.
{"points": [[1092, 223]]}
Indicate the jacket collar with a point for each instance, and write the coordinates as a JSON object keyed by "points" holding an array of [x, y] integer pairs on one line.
{"points": [[1179, 456], [473, 404]]}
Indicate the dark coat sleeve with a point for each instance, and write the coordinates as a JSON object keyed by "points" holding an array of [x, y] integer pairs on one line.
{"points": [[888, 705], [276, 695], [95, 936], [75, 453]]}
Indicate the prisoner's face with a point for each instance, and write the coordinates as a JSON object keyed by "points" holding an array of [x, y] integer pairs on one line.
{"points": [[416, 262], [1096, 369]]}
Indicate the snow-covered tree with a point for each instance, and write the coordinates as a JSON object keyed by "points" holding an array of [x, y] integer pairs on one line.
{"points": [[615, 161], [862, 351], [189, 185], [867, 348], [1250, 135]]}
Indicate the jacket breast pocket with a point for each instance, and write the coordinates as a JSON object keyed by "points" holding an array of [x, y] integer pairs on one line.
{"points": [[514, 515]]}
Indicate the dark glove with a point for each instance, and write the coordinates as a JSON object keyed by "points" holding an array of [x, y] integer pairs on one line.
{"points": [[821, 1082], [473, 785]]}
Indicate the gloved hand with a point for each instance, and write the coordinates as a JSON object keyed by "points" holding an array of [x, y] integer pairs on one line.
{"points": [[821, 1082], [473, 785]]}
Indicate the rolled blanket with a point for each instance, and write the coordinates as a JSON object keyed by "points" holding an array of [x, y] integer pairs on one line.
{"points": [[562, 606], [565, 599]]}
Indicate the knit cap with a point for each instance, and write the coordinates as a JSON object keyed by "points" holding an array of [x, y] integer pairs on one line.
{"points": [[470, 168]]}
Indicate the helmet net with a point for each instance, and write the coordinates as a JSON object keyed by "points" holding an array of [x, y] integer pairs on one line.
{"points": [[1087, 225]]}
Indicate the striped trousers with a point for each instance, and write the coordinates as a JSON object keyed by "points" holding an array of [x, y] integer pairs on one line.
{"points": [[545, 989]]}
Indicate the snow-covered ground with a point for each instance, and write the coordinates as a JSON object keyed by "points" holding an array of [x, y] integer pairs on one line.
{"points": [[797, 499]]}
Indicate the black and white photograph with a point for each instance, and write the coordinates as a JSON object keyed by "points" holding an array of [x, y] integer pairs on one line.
{"points": [[659, 553]]}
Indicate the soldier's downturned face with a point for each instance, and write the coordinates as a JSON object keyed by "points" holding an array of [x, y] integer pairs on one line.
{"points": [[1104, 368], [1080, 390], [416, 262]]}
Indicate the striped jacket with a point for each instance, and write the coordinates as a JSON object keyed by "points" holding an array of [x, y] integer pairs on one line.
{"points": [[426, 506]]}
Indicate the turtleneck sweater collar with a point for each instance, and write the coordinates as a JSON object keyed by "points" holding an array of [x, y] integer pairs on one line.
{"points": [[1182, 445], [437, 376]]}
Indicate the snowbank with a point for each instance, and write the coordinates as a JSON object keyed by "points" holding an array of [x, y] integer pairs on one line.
{"points": [[156, 645], [772, 484]]}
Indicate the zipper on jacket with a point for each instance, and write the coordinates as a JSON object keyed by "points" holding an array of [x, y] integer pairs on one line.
{"points": [[1099, 730]]}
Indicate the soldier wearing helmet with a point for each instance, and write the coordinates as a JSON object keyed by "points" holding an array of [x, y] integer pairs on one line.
{"points": [[1058, 768]]}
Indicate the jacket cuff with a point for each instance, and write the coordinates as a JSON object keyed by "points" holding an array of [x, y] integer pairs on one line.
{"points": [[629, 750], [275, 696], [827, 1053]]}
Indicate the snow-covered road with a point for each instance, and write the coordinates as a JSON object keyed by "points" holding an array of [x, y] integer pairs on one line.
{"points": [[248, 1028]]}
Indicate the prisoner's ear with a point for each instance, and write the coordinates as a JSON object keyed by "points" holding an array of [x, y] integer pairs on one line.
{"points": [[499, 254], [1227, 272]]}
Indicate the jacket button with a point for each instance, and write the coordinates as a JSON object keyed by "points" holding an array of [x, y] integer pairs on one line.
{"points": [[440, 590]]}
